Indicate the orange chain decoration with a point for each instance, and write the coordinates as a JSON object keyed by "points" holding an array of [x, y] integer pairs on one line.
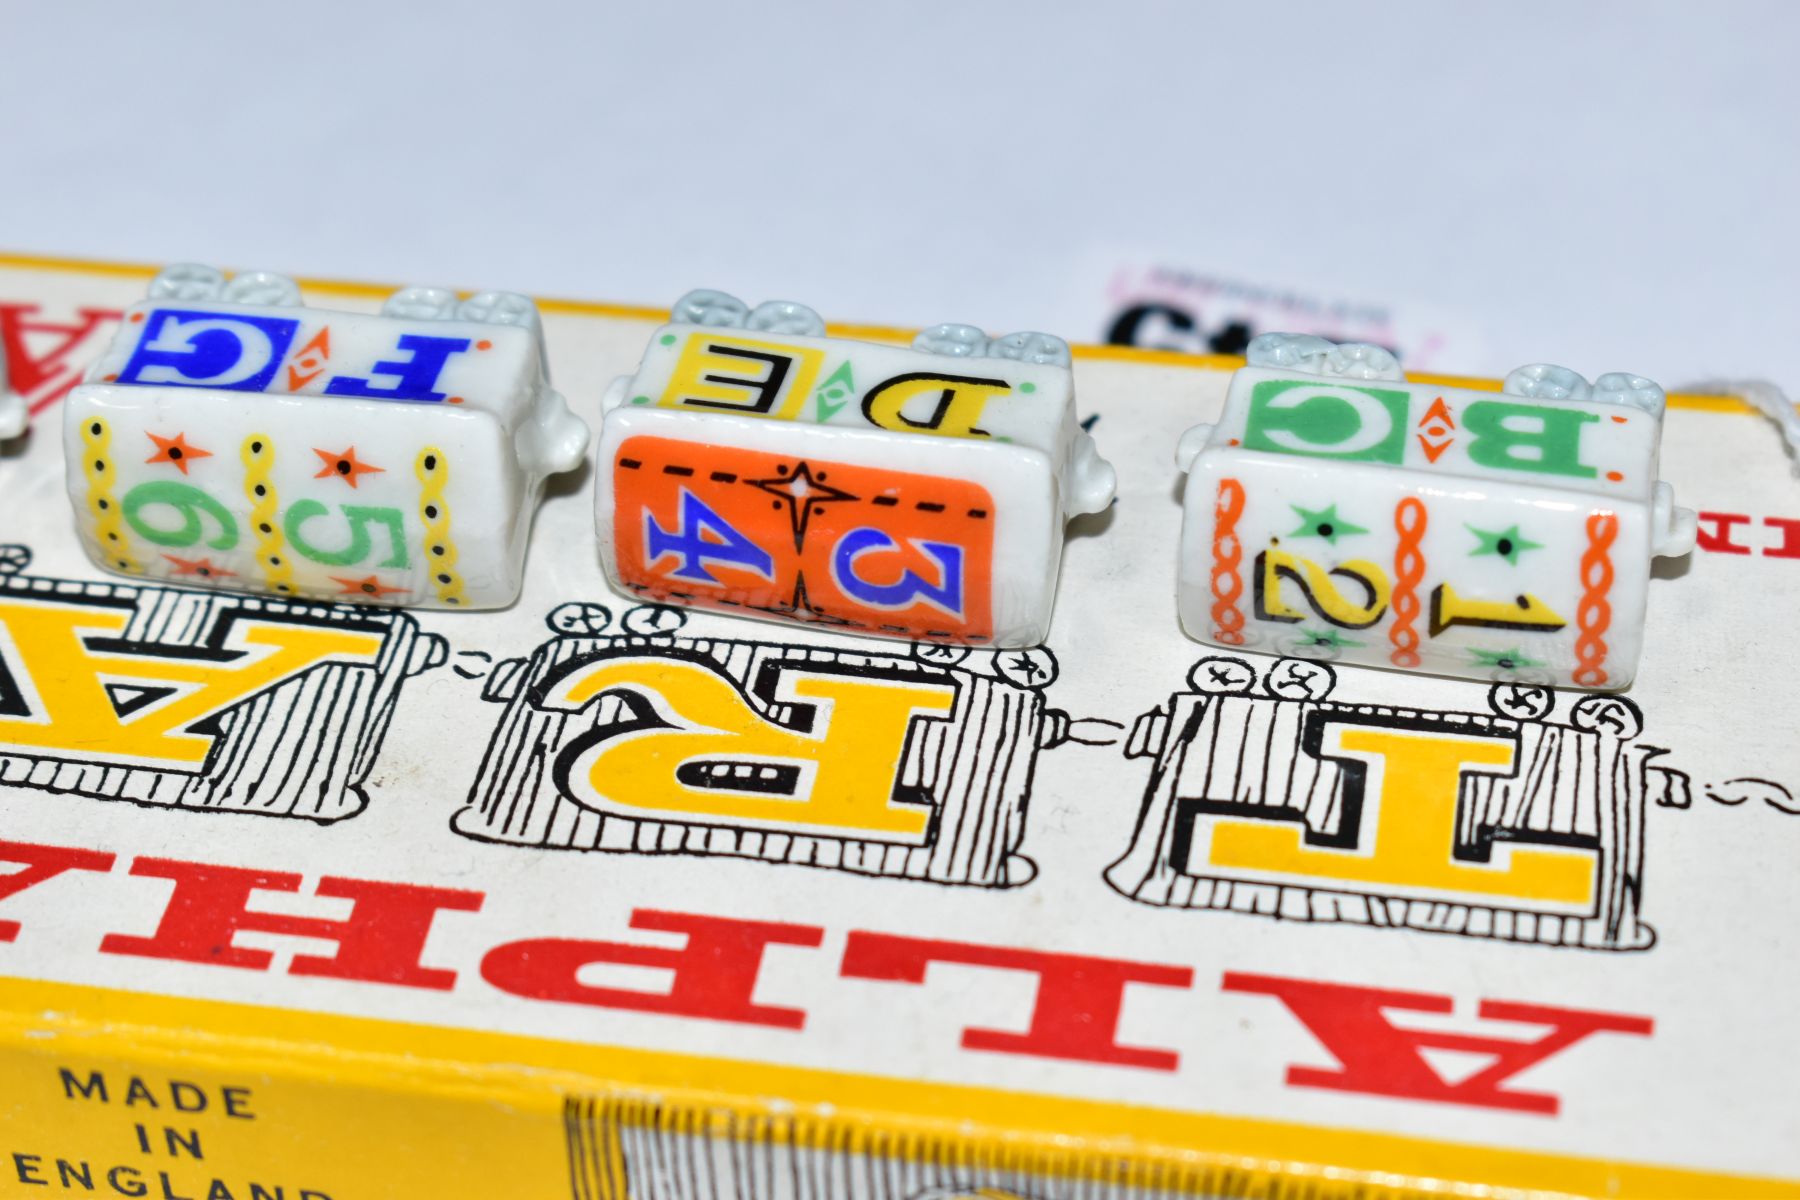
{"points": [[1410, 519], [1228, 555], [1595, 613]]}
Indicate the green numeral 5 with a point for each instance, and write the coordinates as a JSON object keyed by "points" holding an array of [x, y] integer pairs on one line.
{"points": [[359, 518]]}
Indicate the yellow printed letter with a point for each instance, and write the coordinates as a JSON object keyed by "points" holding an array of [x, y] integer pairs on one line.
{"points": [[956, 403], [742, 375], [64, 658], [1404, 839], [710, 757]]}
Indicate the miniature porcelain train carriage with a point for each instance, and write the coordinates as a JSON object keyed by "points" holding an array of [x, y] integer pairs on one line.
{"points": [[1337, 511], [232, 437], [755, 466]]}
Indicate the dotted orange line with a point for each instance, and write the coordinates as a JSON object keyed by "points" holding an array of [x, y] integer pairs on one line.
{"points": [[1595, 614], [1228, 555], [1410, 519]]}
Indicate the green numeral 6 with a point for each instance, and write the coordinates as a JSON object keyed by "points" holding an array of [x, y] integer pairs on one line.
{"points": [[187, 502]]}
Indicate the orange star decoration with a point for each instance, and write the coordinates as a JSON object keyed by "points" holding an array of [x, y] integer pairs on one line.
{"points": [[367, 586], [202, 567], [175, 451], [345, 466]]}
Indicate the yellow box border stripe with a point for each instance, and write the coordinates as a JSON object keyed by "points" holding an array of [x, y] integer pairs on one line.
{"points": [[880, 333], [1083, 1135]]}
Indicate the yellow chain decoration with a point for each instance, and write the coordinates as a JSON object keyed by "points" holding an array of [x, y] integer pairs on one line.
{"points": [[109, 528], [258, 454], [434, 514]]}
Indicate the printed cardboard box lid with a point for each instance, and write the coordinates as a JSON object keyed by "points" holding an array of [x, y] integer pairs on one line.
{"points": [[1121, 909]]}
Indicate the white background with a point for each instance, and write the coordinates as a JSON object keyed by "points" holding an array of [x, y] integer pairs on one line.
{"points": [[1612, 186]]}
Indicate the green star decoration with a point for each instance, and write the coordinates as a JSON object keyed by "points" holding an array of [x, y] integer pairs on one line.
{"points": [[1327, 637], [1324, 523], [1508, 543], [1509, 660]]}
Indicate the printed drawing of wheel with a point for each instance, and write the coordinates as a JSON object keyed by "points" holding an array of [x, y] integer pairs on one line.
{"points": [[14, 558], [1034, 668], [940, 654], [651, 620], [1300, 679], [1520, 701], [579, 619], [1613, 715], [1221, 676]]}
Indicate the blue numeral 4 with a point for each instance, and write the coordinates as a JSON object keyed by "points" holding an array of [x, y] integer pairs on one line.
{"points": [[691, 543]]}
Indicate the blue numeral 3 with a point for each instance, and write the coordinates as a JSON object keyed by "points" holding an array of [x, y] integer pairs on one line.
{"points": [[910, 588]]}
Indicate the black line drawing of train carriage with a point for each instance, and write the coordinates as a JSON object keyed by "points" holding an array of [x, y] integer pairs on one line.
{"points": [[302, 744], [641, 1147], [1265, 753], [965, 766]]}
